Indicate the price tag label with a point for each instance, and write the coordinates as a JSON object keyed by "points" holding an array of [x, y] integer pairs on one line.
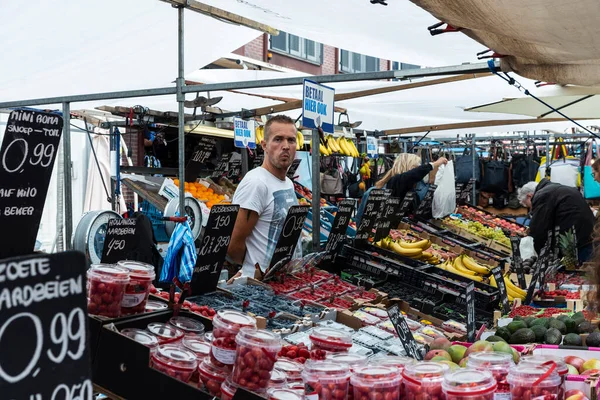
{"points": [[404, 334], [388, 218], [288, 239], [43, 328], [338, 230], [498, 277], [27, 155], [200, 156], [291, 173], [424, 210], [517, 261], [373, 209], [470, 300], [221, 169], [120, 240], [213, 248]]}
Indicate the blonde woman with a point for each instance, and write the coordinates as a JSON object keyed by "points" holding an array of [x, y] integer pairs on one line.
{"points": [[404, 175]]}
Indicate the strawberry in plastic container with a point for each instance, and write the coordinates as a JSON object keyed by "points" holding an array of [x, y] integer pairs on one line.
{"points": [[325, 380], [423, 381], [469, 384]]}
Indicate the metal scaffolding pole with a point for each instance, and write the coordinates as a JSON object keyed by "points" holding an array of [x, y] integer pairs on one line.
{"points": [[316, 192], [180, 116], [67, 184], [475, 160]]}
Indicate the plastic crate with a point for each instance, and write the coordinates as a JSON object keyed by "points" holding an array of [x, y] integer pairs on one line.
{"points": [[155, 216]]}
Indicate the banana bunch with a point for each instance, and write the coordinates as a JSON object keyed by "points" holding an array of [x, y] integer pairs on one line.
{"points": [[450, 266], [471, 265], [299, 140], [323, 150], [512, 290], [260, 134], [409, 249]]}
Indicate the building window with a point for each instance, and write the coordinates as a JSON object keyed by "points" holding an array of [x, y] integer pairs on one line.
{"points": [[298, 47], [355, 62], [398, 66]]}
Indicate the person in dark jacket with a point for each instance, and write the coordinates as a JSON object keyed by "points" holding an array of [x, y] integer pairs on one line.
{"points": [[553, 204], [406, 172]]}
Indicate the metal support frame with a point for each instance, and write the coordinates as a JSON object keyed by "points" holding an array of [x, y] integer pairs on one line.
{"points": [[316, 192], [547, 152], [473, 150], [245, 162], [181, 115], [67, 184]]}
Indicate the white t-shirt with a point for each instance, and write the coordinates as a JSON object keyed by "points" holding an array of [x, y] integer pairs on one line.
{"points": [[271, 198]]}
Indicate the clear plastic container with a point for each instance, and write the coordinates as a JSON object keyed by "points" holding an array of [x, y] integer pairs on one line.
{"points": [[283, 394], [366, 318], [226, 325], [211, 377], [278, 380], [423, 381], [153, 305], [165, 333], [373, 382], [399, 362], [328, 339], [255, 358], [105, 288], [431, 332], [378, 312], [141, 336], [174, 361], [544, 361], [324, 380], [534, 382], [136, 294], [197, 345], [352, 360], [228, 389], [292, 369], [469, 384], [498, 364], [188, 325]]}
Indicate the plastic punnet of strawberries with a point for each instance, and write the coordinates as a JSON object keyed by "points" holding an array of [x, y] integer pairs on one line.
{"points": [[255, 358], [529, 382], [299, 353], [325, 380], [497, 363], [376, 382], [226, 325], [423, 381], [469, 384]]}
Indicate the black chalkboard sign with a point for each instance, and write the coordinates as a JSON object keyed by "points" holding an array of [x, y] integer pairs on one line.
{"points": [[43, 328], [424, 209], [404, 333], [243, 394], [458, 189], [201, 155], [338, 229], [291, 173], [373, 209], [213, 248], [499, 278], [259, 157], [27, 155], [517, 261], [470, 300], [539, 269], [288, 239], [465, 195], [388, 218], [120, 240], [221, 168], [234, 170]]}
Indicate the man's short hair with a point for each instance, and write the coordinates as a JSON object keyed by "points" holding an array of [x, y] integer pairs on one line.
{"points": [[282, 119], [528, 188]]}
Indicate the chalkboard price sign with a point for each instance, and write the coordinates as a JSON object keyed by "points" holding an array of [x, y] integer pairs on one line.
{"points": [[259, 157], [373, 209], [404, 333], [517, 261], [222, 166], [43, 328], [458, 189], [291, 173], [213, 248], [466, 193], [288, 239], [200, 156], [424, 210], [388, 218], [234, 171], [338, 230], [470, 300], [408, 204], [498, 277], [27, 156], [120, 240]]}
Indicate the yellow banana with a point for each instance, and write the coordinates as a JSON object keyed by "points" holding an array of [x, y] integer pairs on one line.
{"points": [[510, 293], [472, 265], [459, 266], [451, 268], [427, 255], [323, 150], [260, 134], [344, 146], [421, 244], [353, 150], [300, 140], [379, 244], [404, 251], [514, 287]]}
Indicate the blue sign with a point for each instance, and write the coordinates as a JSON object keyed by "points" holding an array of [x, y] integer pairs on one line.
{"points": [[372, 147], [317, 106], [244, 133]]}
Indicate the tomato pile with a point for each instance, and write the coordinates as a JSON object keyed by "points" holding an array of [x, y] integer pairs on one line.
{"points": [[226, 325], [376, 382], [414, 375], [255, 357], [211, 377], [523, 311], [560, 293], [105, 288]]}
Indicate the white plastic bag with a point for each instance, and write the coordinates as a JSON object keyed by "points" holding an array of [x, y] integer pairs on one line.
{"points": [[526, 248], [444, 198]]}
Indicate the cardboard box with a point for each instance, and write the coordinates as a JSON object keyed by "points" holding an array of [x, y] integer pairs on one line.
{"points": [[345, 317]]}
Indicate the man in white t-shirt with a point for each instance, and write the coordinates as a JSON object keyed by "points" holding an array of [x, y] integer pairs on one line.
{"points": [[265, 196]]}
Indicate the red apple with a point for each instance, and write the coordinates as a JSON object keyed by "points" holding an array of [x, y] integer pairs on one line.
{"points": [[575, 394], [590, 364], [577, 362], [590, 372]]}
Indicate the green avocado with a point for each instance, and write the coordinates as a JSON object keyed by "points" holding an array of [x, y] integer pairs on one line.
{"points": [[504, 333], [495, 338], [541, 321], [515, 326], [554, 323], [552, 336], [539, 331], [529, 321], [571, 325], [522, 336], [572, 339], [585, 327], [593, 339]]}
